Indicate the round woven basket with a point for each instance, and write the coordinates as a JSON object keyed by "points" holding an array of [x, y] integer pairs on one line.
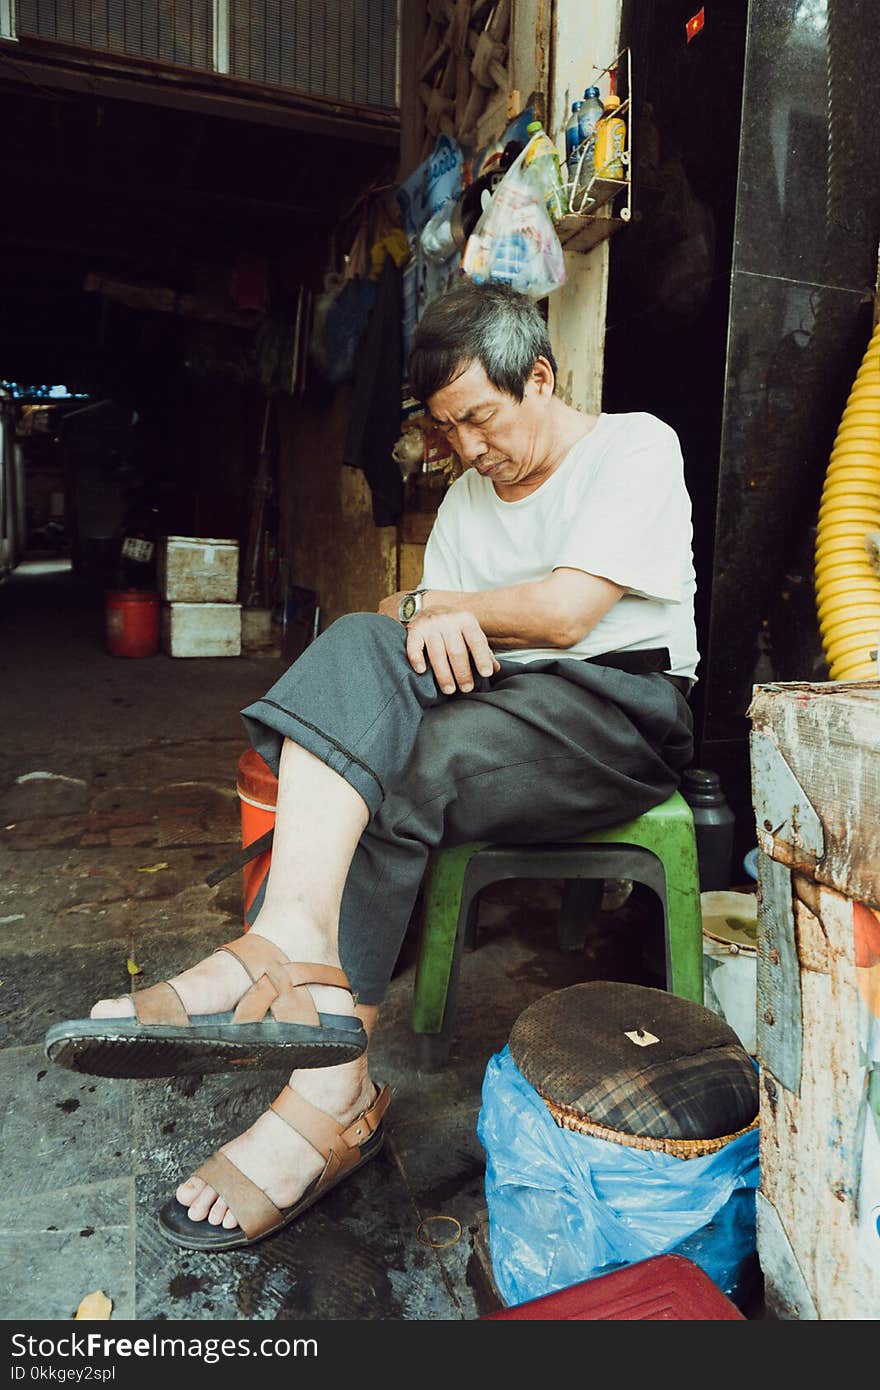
{"points": [[638, 1067], [680, 1148]]}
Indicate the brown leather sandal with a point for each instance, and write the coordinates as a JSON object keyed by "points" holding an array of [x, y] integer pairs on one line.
{"points": [[343, 1150], [275, 1024]]}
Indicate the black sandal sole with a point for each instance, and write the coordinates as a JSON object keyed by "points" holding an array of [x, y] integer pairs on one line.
{"points": [[124, 1048], [176, 1227]]}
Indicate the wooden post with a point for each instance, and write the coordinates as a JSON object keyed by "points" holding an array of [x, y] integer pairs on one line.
{"points": [[415, 35]]}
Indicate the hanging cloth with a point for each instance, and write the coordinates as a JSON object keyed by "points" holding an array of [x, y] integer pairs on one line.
{"points": [[376, 397]]}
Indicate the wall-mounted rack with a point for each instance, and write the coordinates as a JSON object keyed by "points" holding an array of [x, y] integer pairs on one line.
{"points": [[598, 207]]}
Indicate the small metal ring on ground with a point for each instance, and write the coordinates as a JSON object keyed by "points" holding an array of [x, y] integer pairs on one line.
{"points": [[423, 1235]]}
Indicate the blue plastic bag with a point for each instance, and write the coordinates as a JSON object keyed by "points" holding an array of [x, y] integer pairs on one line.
{"points": [[564, 1207]]}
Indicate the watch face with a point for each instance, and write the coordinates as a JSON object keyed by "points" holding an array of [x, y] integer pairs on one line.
{"points": [[408, 607]]}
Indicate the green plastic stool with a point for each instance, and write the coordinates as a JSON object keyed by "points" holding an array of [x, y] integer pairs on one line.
{"points": [[658, 849]]}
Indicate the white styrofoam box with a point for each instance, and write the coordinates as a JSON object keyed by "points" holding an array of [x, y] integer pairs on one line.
{"points": [[198, 569], [201, 629]]}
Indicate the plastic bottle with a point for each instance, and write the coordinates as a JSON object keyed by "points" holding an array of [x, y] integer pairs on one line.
{"points": [[714, 824], [573, 141], [590, 113], [542, 159], [610, 143]]}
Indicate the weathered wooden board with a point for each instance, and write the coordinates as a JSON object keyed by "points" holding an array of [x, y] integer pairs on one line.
{"points": [[820, 810], [814, 1188]]}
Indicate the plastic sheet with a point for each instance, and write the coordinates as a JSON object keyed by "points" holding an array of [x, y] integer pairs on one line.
{"points": [[564, 1207], [515, 241]]}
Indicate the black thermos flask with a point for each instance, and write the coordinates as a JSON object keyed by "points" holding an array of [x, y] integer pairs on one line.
{"points": [[713, 824]]}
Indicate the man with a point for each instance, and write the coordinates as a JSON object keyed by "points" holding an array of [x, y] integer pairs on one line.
{"points": [[533, 687]]}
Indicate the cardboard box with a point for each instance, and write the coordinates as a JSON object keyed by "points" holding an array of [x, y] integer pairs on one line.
{"points": [[198, 569], [201, 629]]}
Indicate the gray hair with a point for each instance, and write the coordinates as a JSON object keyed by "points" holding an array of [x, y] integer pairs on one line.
{"points": [[490, 324]]}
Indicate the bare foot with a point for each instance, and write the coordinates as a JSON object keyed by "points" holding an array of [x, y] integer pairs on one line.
{"points": [[217, 983], [274, 1156]]}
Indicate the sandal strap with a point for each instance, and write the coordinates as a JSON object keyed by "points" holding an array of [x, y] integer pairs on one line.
{"points": [[282, 989], [255, 953], [340, 1147], [253, 1210], [321, 1130], [159, 1004]]}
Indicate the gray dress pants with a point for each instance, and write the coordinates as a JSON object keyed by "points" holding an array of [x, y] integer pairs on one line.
{"points": [[540, 751]]}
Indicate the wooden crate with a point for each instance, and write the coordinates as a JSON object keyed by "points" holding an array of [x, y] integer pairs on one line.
{"points": [[815, 756]]}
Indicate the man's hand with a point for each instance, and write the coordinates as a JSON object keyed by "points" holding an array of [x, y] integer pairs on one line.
{"points": [[450, 639], [390, 606]]}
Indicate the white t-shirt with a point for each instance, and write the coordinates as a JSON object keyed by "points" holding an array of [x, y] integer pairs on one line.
{"points": [[616, 507]]}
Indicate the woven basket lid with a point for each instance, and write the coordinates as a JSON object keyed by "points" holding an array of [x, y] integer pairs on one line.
{"points": [[624, 1060]]}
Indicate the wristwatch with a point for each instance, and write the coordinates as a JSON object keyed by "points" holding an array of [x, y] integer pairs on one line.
{"points": [[410, 605]]}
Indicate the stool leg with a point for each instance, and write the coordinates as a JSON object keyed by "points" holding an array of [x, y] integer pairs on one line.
{"points": [[669, 833], [432, 1049], [471, 926], [581, 900], [684, 921], [441, 927]]}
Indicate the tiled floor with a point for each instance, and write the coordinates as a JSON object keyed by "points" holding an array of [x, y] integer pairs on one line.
{"points": [[104, 855]]}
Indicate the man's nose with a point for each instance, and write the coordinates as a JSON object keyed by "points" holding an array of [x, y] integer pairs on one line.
{"points": [[472, 445]]}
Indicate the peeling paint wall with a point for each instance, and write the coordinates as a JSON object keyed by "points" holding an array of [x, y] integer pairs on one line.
{"points": [[328, 535], [585, 39]]}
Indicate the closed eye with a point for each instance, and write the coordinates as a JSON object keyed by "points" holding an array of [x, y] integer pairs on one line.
{"points": [[447, 425]]}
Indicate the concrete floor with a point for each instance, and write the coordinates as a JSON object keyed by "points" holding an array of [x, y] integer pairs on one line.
{"points": [[117, 797]]}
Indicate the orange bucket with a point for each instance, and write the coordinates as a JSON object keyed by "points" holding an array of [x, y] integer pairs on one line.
{"points": [[132, 622], [257, 788]]}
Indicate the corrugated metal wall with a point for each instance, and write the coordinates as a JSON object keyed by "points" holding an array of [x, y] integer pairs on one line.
{"points": [[171, 31], [342, 49]]}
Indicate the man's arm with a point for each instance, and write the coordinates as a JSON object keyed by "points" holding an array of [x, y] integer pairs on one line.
{"points": [[454, 627]]}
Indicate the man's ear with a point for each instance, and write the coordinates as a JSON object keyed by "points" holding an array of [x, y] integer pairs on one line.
{"points": [[543, 377]]}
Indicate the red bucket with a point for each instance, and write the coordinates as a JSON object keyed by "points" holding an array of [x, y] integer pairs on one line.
{"points": [[257, 788], [132, 617]]}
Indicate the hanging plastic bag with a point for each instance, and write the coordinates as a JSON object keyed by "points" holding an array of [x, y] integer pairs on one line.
{"points": [[564, 1207], [333, 284], [436, 240], [515, 241]]}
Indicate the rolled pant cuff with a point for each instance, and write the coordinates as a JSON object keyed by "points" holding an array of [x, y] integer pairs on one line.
{"points": [[268, 725]]}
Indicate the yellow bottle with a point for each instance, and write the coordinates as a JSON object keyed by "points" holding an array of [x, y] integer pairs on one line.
{"points": [[542, 156], [610, 142]]}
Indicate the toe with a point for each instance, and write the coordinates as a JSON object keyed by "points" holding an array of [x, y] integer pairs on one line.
{"points": [[217, 1212], [199, 1206], [188, 1191]]}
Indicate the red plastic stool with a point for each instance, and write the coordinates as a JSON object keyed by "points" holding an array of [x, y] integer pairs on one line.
{"points": [[257, 788], [663, 1288]]}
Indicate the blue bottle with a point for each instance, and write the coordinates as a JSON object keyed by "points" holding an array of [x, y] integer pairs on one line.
{"points": [[591, 111], [573, 140]]}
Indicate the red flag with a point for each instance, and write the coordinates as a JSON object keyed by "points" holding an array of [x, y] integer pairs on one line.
{"points": [[693, 26]]}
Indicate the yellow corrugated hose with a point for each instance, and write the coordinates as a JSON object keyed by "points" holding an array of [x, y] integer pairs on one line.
{"points": [[847, 584]]}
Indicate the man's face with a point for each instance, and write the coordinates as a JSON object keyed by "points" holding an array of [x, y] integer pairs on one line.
{"points": [[497, 435]]}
